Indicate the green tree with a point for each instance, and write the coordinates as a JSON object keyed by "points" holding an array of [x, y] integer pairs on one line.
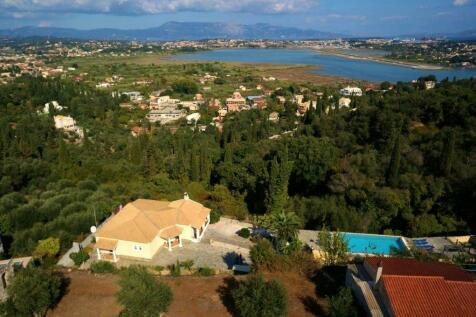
{"points": [[394, 167], [277, 193], [47, 248], [141, 294], [256, 297], [32, 292], [262, 254], [333, 246], [342, 304], [448, 154]]}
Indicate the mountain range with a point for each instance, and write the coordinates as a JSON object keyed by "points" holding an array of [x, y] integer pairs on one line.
{"points": [[173, 31]]}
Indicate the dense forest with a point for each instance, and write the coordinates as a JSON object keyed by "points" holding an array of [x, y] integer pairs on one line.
{"points": [[404, 162]]}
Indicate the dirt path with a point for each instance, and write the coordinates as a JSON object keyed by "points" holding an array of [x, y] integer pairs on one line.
{"points": [[94, 296]]}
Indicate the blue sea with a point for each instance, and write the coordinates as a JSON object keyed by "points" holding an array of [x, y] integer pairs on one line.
{"points": [[329, 65]]}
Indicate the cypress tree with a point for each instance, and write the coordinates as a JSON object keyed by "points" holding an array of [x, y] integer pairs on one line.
{"points": [[194, 168], [394, 167], [447, 154], [279, 174]]}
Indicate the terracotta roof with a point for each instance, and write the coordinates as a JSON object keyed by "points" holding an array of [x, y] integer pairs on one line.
{"points": [[170, 232], [106, 244], [412, 267], [142, 220], [416, 296]]}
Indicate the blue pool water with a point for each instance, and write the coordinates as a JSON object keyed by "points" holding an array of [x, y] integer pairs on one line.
{"points": [[330, 65], [372, 244]]}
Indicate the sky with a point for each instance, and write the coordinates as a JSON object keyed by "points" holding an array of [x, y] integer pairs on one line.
{"points": [[352, 17]]}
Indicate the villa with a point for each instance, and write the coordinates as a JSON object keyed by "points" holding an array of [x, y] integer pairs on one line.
{"points": [[235, 103], [68, 124], [144, 226], [351, 91]]}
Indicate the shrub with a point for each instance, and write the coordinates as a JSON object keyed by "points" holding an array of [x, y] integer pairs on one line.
{"points": [[47, 248], [79, 257], [262, 254], [158, 268], [244, 233], [205, 271], [215, 215], [103, 267], [141, 294], [256, 297], [187, 264], [342, 304], [32, 292], [174, 269]]}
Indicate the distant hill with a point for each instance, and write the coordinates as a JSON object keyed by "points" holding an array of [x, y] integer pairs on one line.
{"points": [[463, 35], [177, 31]]}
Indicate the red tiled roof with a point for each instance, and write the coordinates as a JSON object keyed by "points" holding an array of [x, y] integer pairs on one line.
{"points": [[412, 267], [412, 296]]}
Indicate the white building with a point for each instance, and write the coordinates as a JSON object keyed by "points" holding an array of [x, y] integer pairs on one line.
{"points": [[344, 102], [54, 104], [351, 91], [134, 96], [193, 118], [68, 124], [190, 105], [165, 115]]}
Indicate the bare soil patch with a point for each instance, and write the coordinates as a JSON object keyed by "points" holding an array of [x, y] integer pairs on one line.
{"points": [[94, 295]]}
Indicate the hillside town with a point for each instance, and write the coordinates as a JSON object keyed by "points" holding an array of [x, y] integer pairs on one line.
{"points": [[319, 177]]}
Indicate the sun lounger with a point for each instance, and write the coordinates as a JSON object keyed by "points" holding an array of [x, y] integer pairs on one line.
{"points": [[420, 241], [426, 247]]}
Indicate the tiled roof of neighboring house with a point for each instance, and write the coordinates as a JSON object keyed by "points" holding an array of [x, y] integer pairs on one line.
{"points": [[412, 267], [417, 296], [142, 220]]}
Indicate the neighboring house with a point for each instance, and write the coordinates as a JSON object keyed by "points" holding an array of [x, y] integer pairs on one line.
{"points": [[165, 115], [193, 118], [273, 116], [257, 102], [214, 105], [430, 84], [161, 102], [136, 131], [281, 99], [133, 96], [235, 103], [142, 227], [68, 124], [8, 268], [387, 286], [52, 105], [190, 105], [351, 91], [344, 102]]}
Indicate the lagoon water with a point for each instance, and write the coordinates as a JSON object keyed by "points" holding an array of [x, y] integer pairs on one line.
{"points": [[329, 65]]}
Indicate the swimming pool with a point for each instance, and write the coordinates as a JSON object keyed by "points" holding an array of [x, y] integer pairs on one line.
{"points": [[373, 243]]}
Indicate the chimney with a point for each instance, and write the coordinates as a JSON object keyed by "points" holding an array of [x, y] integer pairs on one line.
{"points": [[185, 196], [378, 274]]}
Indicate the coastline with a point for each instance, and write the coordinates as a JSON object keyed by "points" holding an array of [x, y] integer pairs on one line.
{"points": [[378, 60]]}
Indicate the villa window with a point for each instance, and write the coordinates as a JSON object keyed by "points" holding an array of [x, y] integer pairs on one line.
{"points": [[137, 248]]}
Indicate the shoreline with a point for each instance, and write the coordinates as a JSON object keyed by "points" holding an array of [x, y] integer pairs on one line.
{"points": [[379, 60]]}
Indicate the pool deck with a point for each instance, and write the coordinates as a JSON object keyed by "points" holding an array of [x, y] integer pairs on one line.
{"points": [[310, 237]]}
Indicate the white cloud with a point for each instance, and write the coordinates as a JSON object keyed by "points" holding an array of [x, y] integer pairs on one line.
{"points": [[460, 2], [394, 18], [132, 7]]}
